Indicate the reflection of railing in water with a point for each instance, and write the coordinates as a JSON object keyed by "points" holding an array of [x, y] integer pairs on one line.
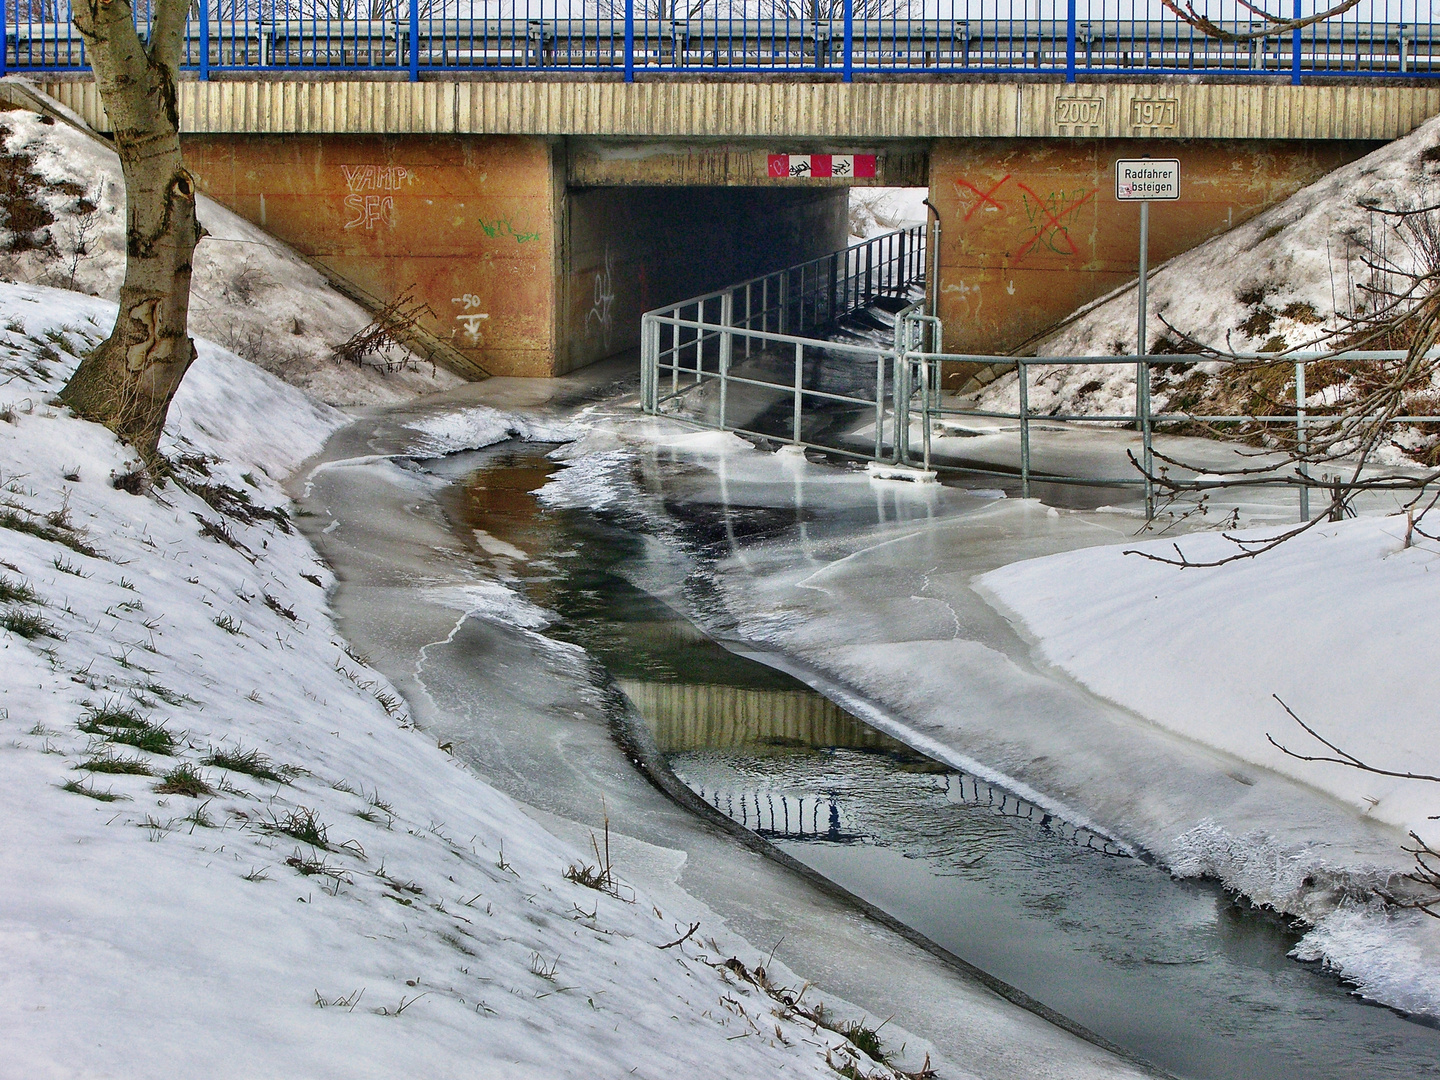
{"points": [[832, 816], [687, 716], [972, 791], [784, 816]]}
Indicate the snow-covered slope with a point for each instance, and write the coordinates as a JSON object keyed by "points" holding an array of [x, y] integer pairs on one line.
{"points": [[228, 853], [1277, 282], [1337, 624], [250, 292]]}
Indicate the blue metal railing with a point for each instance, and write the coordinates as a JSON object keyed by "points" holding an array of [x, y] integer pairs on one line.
{"points": [[841, 38]]}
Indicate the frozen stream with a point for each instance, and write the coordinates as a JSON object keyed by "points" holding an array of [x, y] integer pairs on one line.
{"points": [[1177, 972], [1174, 972]]}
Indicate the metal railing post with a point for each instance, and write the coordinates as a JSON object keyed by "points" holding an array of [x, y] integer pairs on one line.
{"points": [[204, 38], [902, 410], [414, 40], [1147, 457], [850, 40], [1021, 369], [748, 318], [1301, 443], [879, 406], [1295, 49], [799, 377], [925, 373], [649, 362], [1070, 41], [783, 303], [727, 319], [629, 40], [675, 359]]}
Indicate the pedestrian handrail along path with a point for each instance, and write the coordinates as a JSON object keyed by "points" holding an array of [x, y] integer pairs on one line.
{"points": [[841, 38], [753, 359], [769, 329]]}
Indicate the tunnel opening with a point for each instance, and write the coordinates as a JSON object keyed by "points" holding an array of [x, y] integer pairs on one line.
{"points": [[631, 249]]}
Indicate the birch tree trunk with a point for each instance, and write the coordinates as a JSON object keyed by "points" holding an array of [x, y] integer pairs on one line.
{"points": [[128, 382]]}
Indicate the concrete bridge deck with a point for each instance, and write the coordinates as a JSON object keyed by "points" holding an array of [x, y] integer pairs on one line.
{"points": [[769, 107]]}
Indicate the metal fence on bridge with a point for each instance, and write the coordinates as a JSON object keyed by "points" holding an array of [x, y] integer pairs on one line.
{"points": [[840, 38]]}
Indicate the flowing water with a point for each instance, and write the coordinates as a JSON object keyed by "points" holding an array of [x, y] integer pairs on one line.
{"points": [[1177, 972]]}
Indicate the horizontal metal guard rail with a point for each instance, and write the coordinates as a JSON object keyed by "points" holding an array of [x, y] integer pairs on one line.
{"points": [[923, 379], [870, 37]]}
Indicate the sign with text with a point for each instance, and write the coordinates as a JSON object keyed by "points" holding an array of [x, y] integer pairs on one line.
{"points": [[822, 166], [1147, 179]]}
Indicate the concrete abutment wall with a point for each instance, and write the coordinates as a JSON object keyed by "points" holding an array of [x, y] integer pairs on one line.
{"points": [[538, 254], [1031, 229]]}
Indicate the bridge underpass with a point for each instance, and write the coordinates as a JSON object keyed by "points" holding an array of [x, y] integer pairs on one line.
{"points": [[538, 217]]}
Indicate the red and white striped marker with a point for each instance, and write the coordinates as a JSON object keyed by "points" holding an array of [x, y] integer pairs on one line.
{"points": [[822, 166]]}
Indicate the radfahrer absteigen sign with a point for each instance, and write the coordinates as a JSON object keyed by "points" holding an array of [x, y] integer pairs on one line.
{"points": [[1147, 179]]}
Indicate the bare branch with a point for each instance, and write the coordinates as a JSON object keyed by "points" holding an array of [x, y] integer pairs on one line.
{"points": [[1275, 26], [1346, 758]]}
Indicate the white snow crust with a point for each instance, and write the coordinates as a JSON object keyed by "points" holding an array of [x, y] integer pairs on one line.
{"points": [[431, 931], [1338, 624]]}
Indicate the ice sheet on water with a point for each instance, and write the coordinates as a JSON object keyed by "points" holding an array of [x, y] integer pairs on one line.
{"points": [[479, 426]]}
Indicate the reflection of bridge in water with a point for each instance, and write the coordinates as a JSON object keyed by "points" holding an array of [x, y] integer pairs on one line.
{"points": [[849, 817], [791, 764], [700, 716]]}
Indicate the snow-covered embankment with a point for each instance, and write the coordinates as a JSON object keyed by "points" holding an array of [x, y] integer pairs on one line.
{"points": [[228, 851]]}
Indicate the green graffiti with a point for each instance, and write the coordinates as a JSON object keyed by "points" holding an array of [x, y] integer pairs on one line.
{"points": [[502, 227]]}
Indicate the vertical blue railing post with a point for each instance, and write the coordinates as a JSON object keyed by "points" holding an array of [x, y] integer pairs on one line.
{"points": [[5, 41], [1070, 42], [1295, 49], [204, 39], [629, 40], [849, 40], [414, 40]]}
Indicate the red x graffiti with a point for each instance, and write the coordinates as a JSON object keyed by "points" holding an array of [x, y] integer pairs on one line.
{"points": [[1052, 220], [985, 196]]}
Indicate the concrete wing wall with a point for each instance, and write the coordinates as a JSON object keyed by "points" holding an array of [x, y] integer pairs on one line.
{"points": [[1032, 229], [468, 223]]}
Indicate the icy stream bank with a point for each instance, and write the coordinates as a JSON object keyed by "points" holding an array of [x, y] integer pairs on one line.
{"points": [[525, 711]]}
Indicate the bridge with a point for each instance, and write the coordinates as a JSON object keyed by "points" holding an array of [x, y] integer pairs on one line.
{"points": [[541, 178]]}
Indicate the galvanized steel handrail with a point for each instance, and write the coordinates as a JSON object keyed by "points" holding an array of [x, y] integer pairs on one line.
{"points": [[697, 341], [1069, 37], [1304, 418]]}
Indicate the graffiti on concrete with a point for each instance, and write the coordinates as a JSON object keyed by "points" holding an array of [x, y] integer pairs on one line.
{"points": [[602, 309], [377, 177], [1045, 214], [503, 227], [986, 198], [470, 319], [365, 211], [1046, 223]]}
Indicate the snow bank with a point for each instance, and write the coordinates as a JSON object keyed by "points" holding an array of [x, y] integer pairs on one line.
{"points": [[250, 292], [876, 210], [1339, 624], [285, 878]]}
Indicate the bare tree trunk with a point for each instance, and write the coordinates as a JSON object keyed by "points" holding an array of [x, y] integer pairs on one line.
{"points": [[128, 382]]}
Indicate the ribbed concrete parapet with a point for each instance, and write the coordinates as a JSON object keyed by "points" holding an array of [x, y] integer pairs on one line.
{"points": [[691, 108]]}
